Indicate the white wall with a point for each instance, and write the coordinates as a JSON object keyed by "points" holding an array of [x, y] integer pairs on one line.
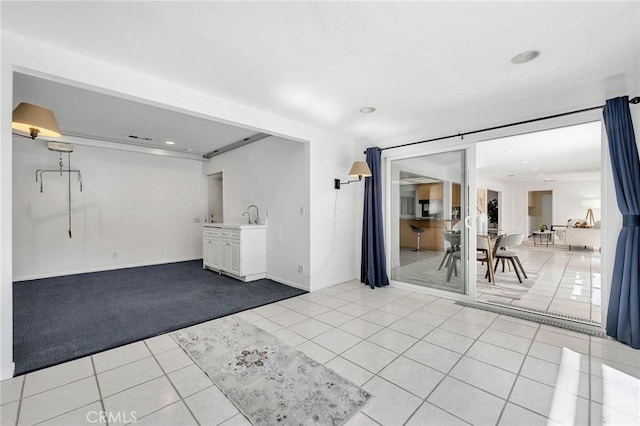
{"points": [[570, 201], [273, 174], [214, 184], [332, 255], [135, 209]]}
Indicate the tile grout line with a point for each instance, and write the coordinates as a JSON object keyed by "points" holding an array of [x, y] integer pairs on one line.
{"points": [[449, 371], [18, 412], [172, 385], [95, 375], [518, 375]]}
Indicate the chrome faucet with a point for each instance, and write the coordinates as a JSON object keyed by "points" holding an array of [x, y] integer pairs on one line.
{"points": [[257, 214], [248, 214]]}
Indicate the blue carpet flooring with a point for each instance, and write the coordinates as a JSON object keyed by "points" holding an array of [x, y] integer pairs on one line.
{"points": [[62, 318]]}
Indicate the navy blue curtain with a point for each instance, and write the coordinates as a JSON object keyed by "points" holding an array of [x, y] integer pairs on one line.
{"points": [[623, 316], [373, 268]]}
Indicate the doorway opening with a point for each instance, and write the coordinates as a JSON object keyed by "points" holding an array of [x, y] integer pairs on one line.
{"points": [[545, 182], [215, 198]]}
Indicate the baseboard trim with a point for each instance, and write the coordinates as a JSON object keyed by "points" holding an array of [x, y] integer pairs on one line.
{"points": [[332, 283], [7, 371], [102, 269], [289, 283]]}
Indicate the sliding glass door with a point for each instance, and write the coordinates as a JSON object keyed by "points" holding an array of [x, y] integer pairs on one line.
{"points": [[429, 220]]}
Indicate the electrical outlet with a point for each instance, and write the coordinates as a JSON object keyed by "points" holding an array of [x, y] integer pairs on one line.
{"points": [[196, 220], [301, 269], [302, 211], [114, 254]]}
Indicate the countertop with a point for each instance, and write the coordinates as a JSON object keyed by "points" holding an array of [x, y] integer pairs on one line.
{"points": [[233, 226]]}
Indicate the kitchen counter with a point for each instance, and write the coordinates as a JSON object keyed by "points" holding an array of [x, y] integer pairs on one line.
{"points": [[233, 226]]}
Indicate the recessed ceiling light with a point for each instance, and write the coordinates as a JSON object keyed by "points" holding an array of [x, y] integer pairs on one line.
{"points": [[189, 150], [511, 175], [367, 110], [524, 57], [549, 180], [170, 143], [525, 161], [511, 151], [541, 174], [534, 169]]}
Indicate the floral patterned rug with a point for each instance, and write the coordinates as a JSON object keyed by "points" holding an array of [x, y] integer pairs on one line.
{"points": [[270, 382]]}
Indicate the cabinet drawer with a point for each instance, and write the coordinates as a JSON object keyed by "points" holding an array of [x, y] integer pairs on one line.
{"points": [[211, 233], [234, 234], [224, 233]]}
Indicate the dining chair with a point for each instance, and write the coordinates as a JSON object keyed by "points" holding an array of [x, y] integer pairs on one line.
{"points": [[503, 254], [484, 254], [453, 238]]}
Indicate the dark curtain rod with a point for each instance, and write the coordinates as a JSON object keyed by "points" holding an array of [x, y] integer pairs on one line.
{"points": [[635, 100]]}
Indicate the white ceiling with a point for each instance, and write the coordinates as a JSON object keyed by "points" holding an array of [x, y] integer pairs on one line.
{"points": [[430, 68], [81, 112]]}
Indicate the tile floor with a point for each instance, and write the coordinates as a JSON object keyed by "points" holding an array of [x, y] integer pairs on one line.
{"points": [[563, 282], [427, 360]]}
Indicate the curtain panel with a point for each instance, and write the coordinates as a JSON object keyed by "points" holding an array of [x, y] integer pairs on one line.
{"points": [[373, 267], [623, 315]]}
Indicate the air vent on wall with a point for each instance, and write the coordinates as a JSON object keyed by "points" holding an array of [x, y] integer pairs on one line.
{"points": [[141, 138]]}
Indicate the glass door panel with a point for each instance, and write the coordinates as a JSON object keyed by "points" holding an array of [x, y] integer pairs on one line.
{"points": [[428, 234]]}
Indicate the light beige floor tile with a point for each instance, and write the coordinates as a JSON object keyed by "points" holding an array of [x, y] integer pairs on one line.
{"points": [[393, 340], [123, 355], [87, 415], [370, 356], [60, 400], [142, 399], [433, 356], [475, 316], [190, 380], [412, 328], [496, 356], [430, 415], [312, 309], [476, 406], [412, 376], [337, 341], [558, 339], [174, 360], [427, 317], [310, 328], [506, 340], [161, 343], [334, 318], [361, 328], [211, 407], [349, 370], [484, 376], [128, 375], [237, 420], [249, 316], [397, 309], [412, 301], [270, 310], [287, 319], [612, 350], [288, 337], [10, 389], [380, 317], [49, 378], [449, 340], [515, 415], [172, 415], [547, 373], [361, 419], [332, 302], [9, 413], [316, 352], [526, 331], [354, 309], [463, 328], [540, 398], [392, 406]]}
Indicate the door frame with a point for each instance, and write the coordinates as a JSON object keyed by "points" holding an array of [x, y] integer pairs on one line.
{"points": [[469, 168]]}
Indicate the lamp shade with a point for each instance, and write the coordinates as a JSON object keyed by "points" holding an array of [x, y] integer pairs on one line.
{"points": [[35, 120], [360, 169]]}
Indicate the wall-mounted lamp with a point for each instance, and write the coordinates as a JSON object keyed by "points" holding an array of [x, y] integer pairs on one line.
{"points": [[359, 170], [35, 120]]}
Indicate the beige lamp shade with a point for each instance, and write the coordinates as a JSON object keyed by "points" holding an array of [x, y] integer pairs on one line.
{"points": [[360, 169], [35, 120]]}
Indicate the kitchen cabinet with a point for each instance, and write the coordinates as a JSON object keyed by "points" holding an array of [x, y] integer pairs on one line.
{"points": [[432, 237], [430, 191], [239, 251], [455, 195]]}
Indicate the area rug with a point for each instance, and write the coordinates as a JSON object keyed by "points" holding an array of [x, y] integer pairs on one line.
{"points": [[268, 381]]}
